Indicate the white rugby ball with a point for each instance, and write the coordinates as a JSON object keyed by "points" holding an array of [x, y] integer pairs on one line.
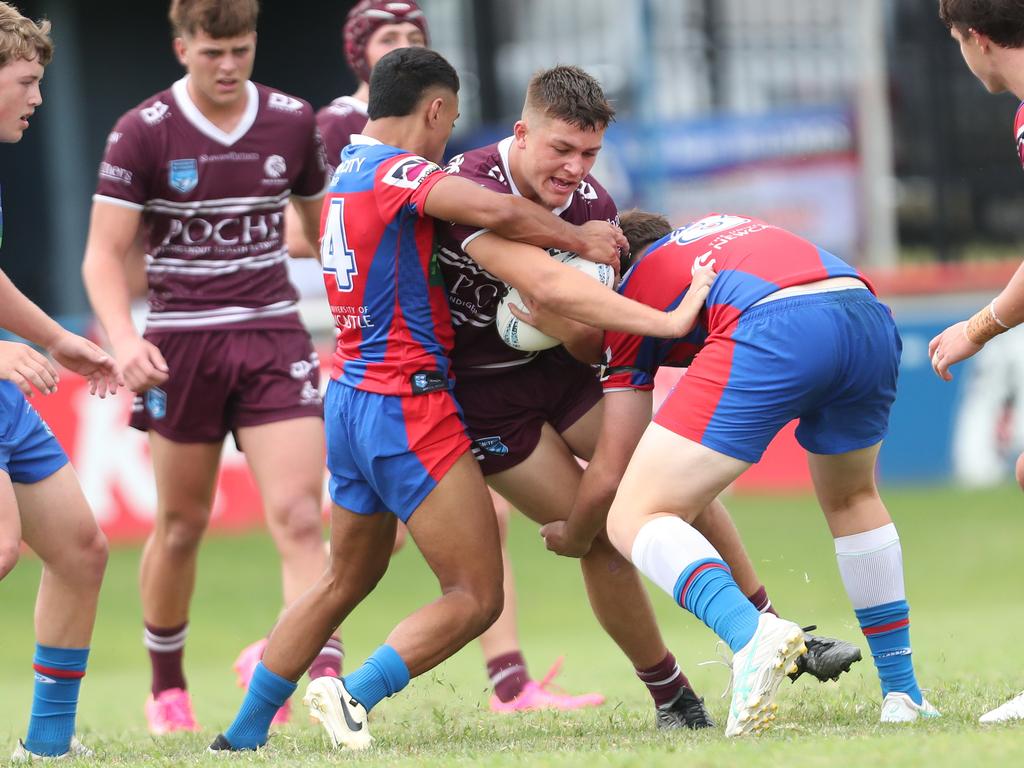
{"points": [[523, 336]]}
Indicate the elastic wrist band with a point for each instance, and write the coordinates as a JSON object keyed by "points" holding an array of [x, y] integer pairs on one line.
{"points": [[992, 311]]}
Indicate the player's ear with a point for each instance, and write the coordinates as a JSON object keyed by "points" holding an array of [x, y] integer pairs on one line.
{"points": [[983, 40], [519, 131], [179, 46], [434, 110]]}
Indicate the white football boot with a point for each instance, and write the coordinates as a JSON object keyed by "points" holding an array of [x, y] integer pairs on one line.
{"points": [[22, 755], [757, 670], [342, 717], [898, 707], [1011, 710]]}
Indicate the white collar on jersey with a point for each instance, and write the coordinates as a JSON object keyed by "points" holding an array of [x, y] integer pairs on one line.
{"points": [[357, 104], [204, 126], [358, 138], [503, 148]]}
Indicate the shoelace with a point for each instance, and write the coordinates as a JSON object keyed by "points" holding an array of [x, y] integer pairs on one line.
{"points": [[552, 673], [725, 661]]}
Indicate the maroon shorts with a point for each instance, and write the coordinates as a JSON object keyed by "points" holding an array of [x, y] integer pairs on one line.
{"points": [[222, 380], [506, 408]]}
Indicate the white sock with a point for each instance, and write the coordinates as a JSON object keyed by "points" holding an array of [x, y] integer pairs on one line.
{"points": [[871, 565], [665, 547]]}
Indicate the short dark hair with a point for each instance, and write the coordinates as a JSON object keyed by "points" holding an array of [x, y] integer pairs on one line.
{"points": [[402, 77], [568, 93], [217, 18], [1001, 20], [641, 228]]}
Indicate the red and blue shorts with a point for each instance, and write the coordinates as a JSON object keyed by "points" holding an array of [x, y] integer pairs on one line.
{"points": [[28, 450], [828, 359], [386, 453]]}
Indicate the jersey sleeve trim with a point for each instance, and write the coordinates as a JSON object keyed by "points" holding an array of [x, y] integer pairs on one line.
{"points": [[473, 237], [117, 201], [316, 196]]}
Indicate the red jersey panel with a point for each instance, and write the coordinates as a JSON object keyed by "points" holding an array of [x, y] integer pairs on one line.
{"points": [[338, 121], [388, 300], [1018, 132], [752, 259], [473, 293], [213, 203]]}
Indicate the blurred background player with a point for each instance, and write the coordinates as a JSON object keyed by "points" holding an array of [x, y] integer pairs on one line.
{"points": [[531, 414], [991, 38], [205, 169], [41, 501], [397, 446], [748, 378]]}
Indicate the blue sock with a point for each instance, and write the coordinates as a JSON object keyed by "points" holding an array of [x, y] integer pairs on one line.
{"points": [[267, 693], [707, 590], [887, 629], [383, 674], [59, 673]]}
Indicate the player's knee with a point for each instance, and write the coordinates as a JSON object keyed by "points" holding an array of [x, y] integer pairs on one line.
{"points": [[299, 523], [620, 530], [180, 533], [9, 552], [91, 558], [490, 601]]}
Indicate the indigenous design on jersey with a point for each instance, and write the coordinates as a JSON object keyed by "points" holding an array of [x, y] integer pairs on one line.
{"points": [[1018, 132], [474, 293], [752, 259], [376, 248], [212, 205], [338, 122]]}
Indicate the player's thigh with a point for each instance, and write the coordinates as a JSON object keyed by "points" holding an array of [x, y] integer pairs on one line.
{"points": [[10, 525], [543, 486], [186, 476], [57, 522], [840, 480], [361, 546], [286, 459], [581, 436], [454, 528], [670, 474]]}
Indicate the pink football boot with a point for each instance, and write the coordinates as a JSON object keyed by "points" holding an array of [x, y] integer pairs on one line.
{"points": [[170, 711], [535, 696], [244, 666]]}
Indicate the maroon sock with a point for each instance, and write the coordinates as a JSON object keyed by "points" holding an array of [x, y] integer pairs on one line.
{"points": [[508, 675], [328, 662], [663, 680], [166, 646], [762, 602]]}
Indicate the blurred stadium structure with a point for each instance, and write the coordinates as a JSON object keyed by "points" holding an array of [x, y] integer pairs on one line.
{"points": [[854, 124]]}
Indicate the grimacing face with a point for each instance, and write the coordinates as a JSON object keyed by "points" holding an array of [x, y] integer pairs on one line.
{"points": [[388, 37], [19, 97], [555, 158], [218, 67]]}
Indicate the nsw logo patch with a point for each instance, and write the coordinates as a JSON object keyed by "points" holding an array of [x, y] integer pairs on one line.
{"points": [[183, 175], [156, 403], [492, 445]]}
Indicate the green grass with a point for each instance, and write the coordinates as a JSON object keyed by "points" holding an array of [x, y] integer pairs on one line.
{"points": [[964, 576]]}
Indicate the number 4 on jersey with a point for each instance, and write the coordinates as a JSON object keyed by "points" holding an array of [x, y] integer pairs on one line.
{"points": [[335, 255]]}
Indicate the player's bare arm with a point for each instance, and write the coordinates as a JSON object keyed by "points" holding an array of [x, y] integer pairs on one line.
{"points": [[302, 227], [626, 415], [581, 341], [112, 231], [28, 368], [966, 338], [569, 292], [516, 218]]}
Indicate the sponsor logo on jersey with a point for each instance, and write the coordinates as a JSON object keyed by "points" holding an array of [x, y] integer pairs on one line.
{"points": [[230, 157], [155, 113], [586, 190], [706, 227], [410, 172], [492, 445], [234, 230], [284, 103], [455, 164], [275, 167], [496, 174], [113, 137], [115, 172], [183, 175], [156, 403], [1020, 145]]}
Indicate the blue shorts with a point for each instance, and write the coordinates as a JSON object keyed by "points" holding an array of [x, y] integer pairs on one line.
{"points": [[829, 359], [28, 450], [386, 453]]}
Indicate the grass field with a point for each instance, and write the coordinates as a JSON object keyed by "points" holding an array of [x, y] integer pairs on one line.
{"points": [[964, 577]]}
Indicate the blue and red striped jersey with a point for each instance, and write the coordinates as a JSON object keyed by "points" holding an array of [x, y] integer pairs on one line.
{"points": [[1018, 132], [752, 259], [386, 294]]}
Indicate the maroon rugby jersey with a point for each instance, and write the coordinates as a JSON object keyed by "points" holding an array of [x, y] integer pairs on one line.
{"points": [[213, 204], [473, 293], [338, 121]]}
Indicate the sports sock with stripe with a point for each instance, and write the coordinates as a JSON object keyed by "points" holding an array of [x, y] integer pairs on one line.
{"points": [[508, 675], [664, 680], [166, 646], [267, 693], [871, 565], [676, 557], [59, 673]]}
